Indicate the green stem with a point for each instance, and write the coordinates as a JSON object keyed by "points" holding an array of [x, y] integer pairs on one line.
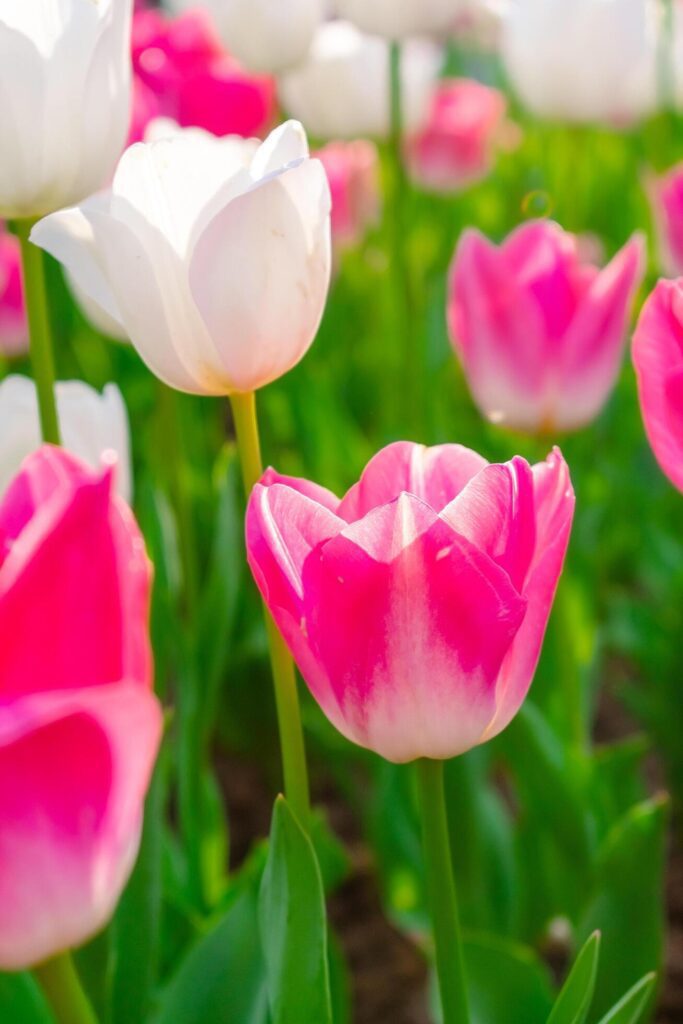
{"points": [[62, 987], [284, 677], [409, 385], [42, 356], [441, 892]]}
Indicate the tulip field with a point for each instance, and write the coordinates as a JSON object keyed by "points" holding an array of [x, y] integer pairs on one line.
{"points": [[341, 505]]}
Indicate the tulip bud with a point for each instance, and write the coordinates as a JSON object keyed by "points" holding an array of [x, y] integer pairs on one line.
{"points": [[64, 100], [397, 20], [93, 426], [539, 333], [13, 325], [588, 60], [658, 360], [226, 294], [79, 725], [341, 90], [416, 606], [666, 200], [352, 170]]}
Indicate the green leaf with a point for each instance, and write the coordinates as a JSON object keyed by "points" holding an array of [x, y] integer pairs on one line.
{"points": [[521, 981], [629, 1009], [222, 980], [573, 1002], [21, 1001], [293, 925], [627, 901]]}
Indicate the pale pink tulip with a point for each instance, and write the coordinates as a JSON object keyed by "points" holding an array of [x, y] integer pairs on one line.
{"points": [[456, 147], [658, 359], [13, 326], [540, 334], [79, 725], [352, 170], [416, 606], [666, 199]]}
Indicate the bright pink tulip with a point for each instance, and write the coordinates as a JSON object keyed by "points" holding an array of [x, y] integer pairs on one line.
{"points": [[416, 606], [183, 72], [666, 198], [539, 333], [13, 326], [658, 359], [352, 170], [79, 725], [456, 147]]}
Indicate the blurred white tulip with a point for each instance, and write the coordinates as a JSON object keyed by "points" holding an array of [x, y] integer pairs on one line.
{"points": [[214, 258], [342, 90], [584, 60], [91, 424], [65, 77], [398, 19]]}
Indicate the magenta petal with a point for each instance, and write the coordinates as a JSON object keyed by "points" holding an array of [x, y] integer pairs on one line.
{"points": [[74, 768], [495, 512], [403, 653], [554, 512], [315, 492], [436, 475], [658, 359]]}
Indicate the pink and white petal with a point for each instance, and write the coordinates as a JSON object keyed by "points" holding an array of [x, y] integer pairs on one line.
{"points": [[74, 769], [658, 360], [495, 512], [311, 490], [436, 475], [403, 654]]}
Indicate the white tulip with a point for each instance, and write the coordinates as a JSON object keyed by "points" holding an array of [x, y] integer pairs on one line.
{"points": [[583, 60], [398, 19], [64, 100], [265, 35], [92, 425], [213, 257], [342, 89]]}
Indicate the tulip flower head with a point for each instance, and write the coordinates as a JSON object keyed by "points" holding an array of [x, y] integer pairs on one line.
{"points": [[415, 607], [666, 200], [352, 170], [64, 100], [13, 325], [341, 90], [212, 254], [456, 146], [399, 20], [540, 333], [658, 360], [79, 725], [587, 60], [94, 427]]}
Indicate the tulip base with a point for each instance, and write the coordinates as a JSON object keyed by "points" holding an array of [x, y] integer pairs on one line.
{"points": [[62, 987], [441, 893], [42, 358], [284, 677]]}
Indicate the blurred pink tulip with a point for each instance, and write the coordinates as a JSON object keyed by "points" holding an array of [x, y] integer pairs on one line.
{"points": [[456, 146], [183, 72], [79, 725], [352, 170], [13, 325], [658, 359], [416, 606], [539, 333], [666, 199]]}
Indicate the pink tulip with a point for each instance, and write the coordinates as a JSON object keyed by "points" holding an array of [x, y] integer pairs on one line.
{"points": [[352, 170], [416, 606], [456, 147], [540, 333], [183, 72], [79, 725], [658, 359], [666, 199], [13, 326]]}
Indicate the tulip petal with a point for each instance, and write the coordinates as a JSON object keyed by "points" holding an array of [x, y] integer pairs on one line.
{"points": [[658, 360], [286, 145], [315, 492], [436, 475], [74, 768]]}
